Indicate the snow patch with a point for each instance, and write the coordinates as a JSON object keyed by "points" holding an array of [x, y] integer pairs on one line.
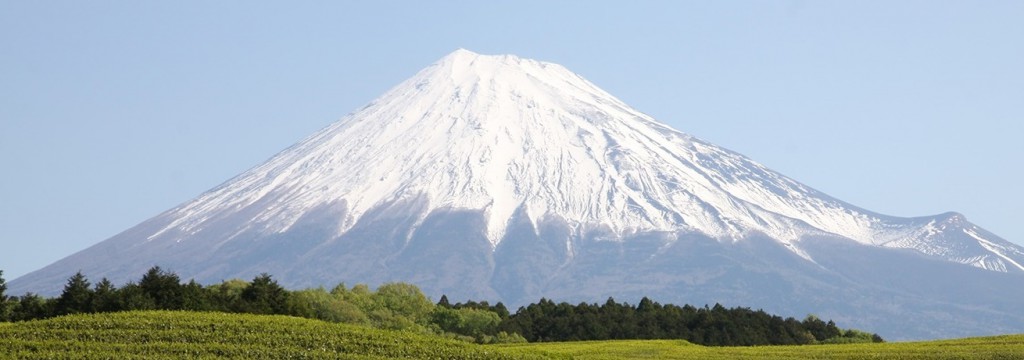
{"points": [[988, 245]]}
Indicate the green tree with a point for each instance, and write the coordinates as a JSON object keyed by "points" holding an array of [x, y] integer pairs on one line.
{"points": [[446, 319], [444, 301], [5, 304], [132, 297], [359, 295], [195, 297], [821, 330], [163, 287], [507, 338], [320, 304], [479, 324], [264, 296], [405, 300], [76, 297], [104, 297], [391, 306], [501, 310], [30, 307], [227, 295]]}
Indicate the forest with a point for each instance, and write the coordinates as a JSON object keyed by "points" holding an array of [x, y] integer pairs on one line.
{"points": [[401, 306]]}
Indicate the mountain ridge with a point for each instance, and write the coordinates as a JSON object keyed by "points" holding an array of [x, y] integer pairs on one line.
{"points": [[463, 72], [506, 178]]}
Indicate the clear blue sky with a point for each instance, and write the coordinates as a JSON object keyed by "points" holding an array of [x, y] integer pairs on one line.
{"points": [[112, 112]]}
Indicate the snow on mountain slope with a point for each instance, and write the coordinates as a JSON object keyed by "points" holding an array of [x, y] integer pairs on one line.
{"points": [[502, 133], [507, 179]]}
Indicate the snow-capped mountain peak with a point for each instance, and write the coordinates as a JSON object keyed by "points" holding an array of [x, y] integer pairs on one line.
{"points": [[471, 131], [498, 177], [502, 133]]}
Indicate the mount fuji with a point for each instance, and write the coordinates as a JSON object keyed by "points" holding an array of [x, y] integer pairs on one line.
{"points": [[502, 178]]}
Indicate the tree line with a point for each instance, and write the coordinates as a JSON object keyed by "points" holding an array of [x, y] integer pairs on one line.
{"points": [[709, 325], [402, 306], [397, 306]]}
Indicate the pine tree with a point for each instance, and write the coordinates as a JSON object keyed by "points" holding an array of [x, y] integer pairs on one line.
{"points": [[501, 310], [30, 307], [163, 287], [264, 296], [76, 297], [876, 338], [5, 303], [104, 297], [3, 287], [195, 298]]}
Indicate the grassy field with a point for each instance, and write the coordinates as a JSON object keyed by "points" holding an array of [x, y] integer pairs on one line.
{"points": [[1000, 347], [165, 335]]}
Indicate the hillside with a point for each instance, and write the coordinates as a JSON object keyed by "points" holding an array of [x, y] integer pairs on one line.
{"points": [[166, 334], [175, 335]]}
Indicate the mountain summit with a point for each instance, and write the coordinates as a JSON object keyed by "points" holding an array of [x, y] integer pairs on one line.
{"points": [[502, 178]]}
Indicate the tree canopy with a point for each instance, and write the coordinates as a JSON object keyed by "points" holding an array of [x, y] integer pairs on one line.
{"points": [[404, 306]]}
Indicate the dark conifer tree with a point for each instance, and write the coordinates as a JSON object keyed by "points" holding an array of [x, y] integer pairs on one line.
{"points": [[264, 296], [76, 297], [501, 310], [5, 305], [163, 287], [132, 297], [104, 297], [196, 298], [30, 307]]}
